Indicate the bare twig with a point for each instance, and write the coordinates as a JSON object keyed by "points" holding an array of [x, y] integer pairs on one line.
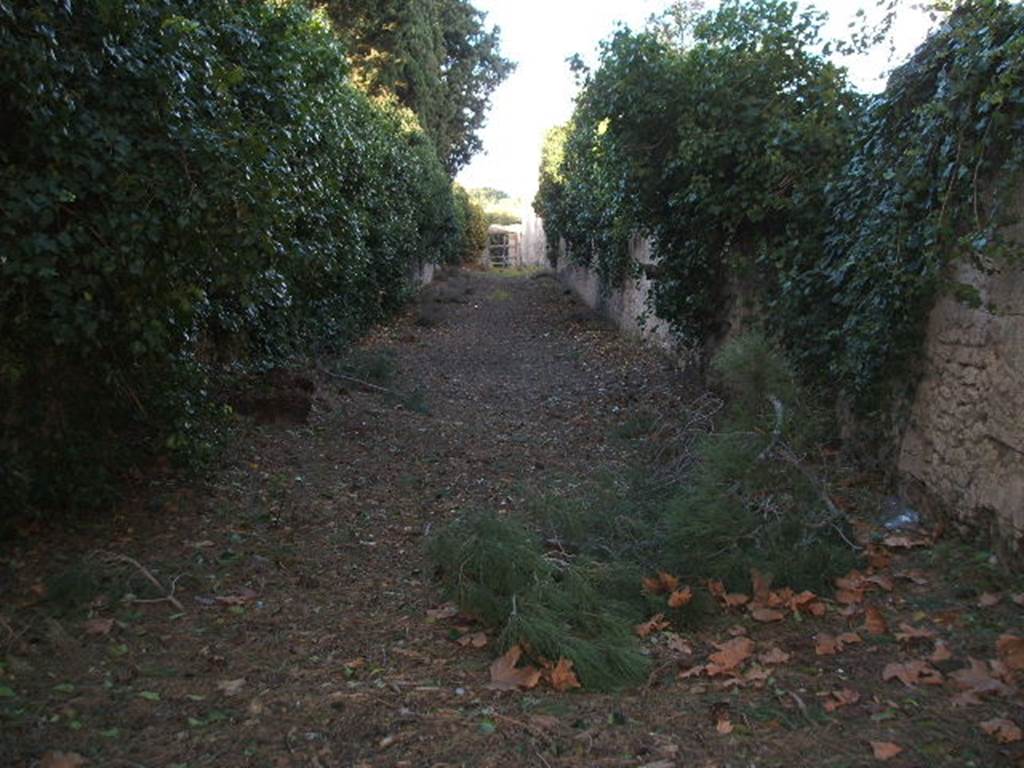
{"points": [[785, 454], [367, 384], [539, 733], [168, 595], [656, 673], [799, 703], [780, 413]]}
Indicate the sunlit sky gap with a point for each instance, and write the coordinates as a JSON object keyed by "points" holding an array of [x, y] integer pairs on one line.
{"points": [[541, 34]]}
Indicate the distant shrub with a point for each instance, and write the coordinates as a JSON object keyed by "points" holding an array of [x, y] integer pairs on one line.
{"points": [[472, 225]]}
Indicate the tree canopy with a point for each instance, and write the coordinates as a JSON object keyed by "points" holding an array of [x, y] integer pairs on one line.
{"points": [[438, 57]]}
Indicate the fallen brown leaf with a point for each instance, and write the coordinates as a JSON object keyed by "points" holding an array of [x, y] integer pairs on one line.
{"points": [[1011, 651], [941, 652], [735, 599], [474, 640], [766, 615], [802, 601], [976, 680], [761, 584], [98, 626], [730, 655], [446, 611], [231, 687], [1003, 672], [693, 671], [62, 760], [917, 577], [851, 582], [874, 621], [849, 596], [680, 597], [964, 699], [1005, 731], [826, 645], [1018, 599], [724, 725], [775, 656], [663, 582], [908, 632], [885, 750], [757, 675], [507, 676], [652, 585], [904, 542], [989, 599], [841, 698], [655, 624], [878, 558], [880, 580], [679, 645], [912, 672], [562, 677], [243, 597], [849, 611], [668, 582], [780, 597]]}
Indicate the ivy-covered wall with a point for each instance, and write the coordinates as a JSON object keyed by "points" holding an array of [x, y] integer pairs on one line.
{"points": [[774, 195]]}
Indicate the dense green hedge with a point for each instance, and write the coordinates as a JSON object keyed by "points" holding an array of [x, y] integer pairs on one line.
{"points": [[719, 150], [185, 185], [748, 160]]}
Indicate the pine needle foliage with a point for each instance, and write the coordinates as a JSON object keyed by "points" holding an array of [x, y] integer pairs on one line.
{"points": [[497, 570], [753, 500]]}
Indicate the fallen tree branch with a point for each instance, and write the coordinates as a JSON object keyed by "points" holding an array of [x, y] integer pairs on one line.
{"points": [[780, 413], [369, 385], [786, 455], [168, 595]]}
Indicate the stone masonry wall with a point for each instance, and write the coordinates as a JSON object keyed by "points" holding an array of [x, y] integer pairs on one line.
{"points": [[624, 305], [963, 449]]}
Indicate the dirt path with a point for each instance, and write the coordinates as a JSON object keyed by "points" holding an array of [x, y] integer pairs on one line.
{"points": [[324, 524], [305, 638]]}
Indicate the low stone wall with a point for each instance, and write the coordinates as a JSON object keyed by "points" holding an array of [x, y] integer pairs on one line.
{"points": [[422, 274], [623, 306], [532, 246]]}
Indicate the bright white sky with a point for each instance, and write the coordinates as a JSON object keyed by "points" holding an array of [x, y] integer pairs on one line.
{"points": [[541, 34]]}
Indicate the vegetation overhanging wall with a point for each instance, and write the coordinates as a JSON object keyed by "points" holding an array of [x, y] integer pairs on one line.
{"points": [[748, 161]]}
